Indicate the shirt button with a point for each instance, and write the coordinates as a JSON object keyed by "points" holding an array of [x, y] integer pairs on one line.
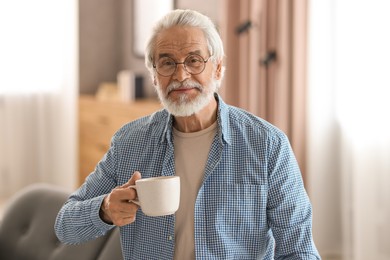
{"points": [[170, 238]]}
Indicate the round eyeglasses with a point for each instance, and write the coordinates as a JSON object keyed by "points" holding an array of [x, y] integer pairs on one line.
{"points": [[193, 64]]}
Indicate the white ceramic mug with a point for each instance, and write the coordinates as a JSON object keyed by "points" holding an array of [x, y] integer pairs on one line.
{"points": [[158, 196]]}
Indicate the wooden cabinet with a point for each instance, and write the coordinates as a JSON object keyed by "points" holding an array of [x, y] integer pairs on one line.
{"points": [[98, 121]]}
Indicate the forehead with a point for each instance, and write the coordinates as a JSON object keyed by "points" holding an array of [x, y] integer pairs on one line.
{"points": [[180, 41]]}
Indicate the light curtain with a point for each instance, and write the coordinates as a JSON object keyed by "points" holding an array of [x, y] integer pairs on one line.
{"points": [[272, 87], [38, 89], [349, 127]]}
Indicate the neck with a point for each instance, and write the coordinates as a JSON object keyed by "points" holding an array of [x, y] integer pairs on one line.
{"points": [[198, 121]]}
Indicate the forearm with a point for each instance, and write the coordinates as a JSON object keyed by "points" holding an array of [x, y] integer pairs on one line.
{"points": [[295, 243], [289, 208], [79, 221], [301, 256]]}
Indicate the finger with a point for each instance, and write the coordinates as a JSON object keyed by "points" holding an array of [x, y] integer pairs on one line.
{"points": [[122, 208], [124, 221], [130, 209], [122, 195], [126, 215], [136, 176]]}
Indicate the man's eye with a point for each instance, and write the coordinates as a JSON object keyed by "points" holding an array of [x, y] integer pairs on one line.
{"points": [[167, 63], [193, 61]]}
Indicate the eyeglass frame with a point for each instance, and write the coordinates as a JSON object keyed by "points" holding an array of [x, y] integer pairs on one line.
{"points": [[184, 65]]}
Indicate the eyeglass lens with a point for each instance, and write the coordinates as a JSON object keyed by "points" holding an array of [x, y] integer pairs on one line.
{"points": [[193, 64]]}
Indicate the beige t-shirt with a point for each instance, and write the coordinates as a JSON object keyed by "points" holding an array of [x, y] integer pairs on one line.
{"points": [[191, 153]]}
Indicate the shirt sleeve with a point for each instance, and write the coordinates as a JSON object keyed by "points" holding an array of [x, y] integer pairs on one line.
{"points": [[289, 210], [78, 220]]}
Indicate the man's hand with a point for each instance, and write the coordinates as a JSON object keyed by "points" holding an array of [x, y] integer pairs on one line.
{"points": [[116, 208]]}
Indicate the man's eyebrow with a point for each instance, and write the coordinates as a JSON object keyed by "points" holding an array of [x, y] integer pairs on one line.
{"points": [[195, 52], [161, 55]]}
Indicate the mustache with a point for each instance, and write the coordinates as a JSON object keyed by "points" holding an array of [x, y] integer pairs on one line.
{"points": [[183, 85]]}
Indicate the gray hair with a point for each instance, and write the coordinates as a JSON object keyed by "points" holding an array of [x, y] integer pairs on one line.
{"points": [[186, 18]]}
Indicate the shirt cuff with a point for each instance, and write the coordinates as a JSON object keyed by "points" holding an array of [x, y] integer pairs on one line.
{"points": [[95, 217]]}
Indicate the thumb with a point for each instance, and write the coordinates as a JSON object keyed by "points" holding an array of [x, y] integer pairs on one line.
{"points": [[136, 176]]}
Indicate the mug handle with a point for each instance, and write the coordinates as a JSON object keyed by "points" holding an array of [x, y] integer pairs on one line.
{"points": [[136, 201]]}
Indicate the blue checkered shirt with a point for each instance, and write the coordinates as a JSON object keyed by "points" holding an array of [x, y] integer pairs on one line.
{"points": [[252, 203]]}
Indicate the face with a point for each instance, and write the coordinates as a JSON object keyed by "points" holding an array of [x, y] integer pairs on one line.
{"points": [[184, 94]]}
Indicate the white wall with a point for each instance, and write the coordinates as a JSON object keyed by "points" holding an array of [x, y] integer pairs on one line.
{"points": [[211, 8], [323, 169], [349, 130]]}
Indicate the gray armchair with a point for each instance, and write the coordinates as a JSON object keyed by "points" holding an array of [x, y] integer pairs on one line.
{"points": [[27, 230]]}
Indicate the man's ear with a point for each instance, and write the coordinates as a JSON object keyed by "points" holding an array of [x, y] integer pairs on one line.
{"points": [[154, 81], [218, 71]]}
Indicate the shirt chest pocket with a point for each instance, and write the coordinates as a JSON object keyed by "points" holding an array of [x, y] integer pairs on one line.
{"points": [[239, 209]]}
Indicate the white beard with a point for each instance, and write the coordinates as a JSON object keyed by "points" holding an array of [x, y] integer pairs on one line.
{"points": [[185, 106]]}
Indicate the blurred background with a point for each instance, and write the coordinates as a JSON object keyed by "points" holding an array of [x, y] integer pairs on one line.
{"points": [[72, 72]]}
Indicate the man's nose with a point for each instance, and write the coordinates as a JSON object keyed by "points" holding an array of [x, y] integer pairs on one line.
{"points": [[181, 73]]}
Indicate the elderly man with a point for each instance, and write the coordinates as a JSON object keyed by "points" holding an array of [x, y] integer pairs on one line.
{"points": [[242, 195]]}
